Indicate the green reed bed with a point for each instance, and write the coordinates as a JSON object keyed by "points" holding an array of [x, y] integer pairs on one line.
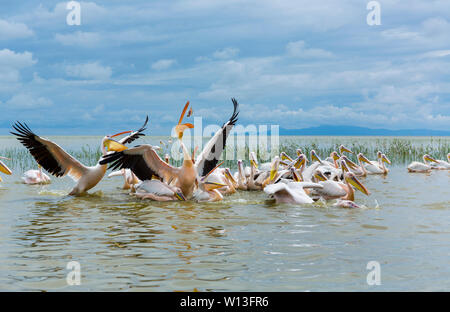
{"points": [[400, 150]]}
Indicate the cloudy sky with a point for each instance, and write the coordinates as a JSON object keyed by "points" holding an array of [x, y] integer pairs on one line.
{"points": [[296, 63]]}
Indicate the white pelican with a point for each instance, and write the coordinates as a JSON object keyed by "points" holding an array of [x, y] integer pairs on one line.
{"points": [[146, 163], [343, 149], [416, 166], [240, 176], [340, 190], [208, 188], [378, 167], [442, 164], [36, 177], [59, 163], [251, 185], [158, 191], [291, 192]]}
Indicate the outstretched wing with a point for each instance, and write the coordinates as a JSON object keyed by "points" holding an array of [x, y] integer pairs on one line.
{"points": [[143, 161], [135, 135], [48, 154], [210, 155]]}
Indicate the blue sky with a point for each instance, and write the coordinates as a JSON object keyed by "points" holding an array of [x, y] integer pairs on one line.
{"points": [[293, 63]]}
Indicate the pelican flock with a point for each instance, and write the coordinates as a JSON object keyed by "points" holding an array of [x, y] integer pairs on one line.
{"points": [[289, 179]]}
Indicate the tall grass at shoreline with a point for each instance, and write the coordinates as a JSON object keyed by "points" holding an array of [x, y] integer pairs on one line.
{"points": [[400, 150]]}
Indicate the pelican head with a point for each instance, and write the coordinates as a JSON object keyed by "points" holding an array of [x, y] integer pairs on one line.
{"points": [[314, 156], [334, 155], [448, 157], [299, 152], [113, 145], [285, 156], [427, 157], [274, 168], [343, 149], [385, 159], [299, 162], [349, 163], [363, 158], [253, 160], [229, 176], [351, 179]]}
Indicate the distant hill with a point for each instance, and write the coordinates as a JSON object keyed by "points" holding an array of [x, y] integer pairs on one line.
{"points": [[361, 131]]}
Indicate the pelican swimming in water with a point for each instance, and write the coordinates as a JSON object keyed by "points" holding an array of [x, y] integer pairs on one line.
{"points": [[36, 177], [342, 191], [416, 166], [4, 168], [291, 192], [442, 164], [59, 163], [376, 167]]}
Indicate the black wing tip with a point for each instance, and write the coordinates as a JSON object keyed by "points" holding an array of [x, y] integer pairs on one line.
{"points": [[234, 117]]}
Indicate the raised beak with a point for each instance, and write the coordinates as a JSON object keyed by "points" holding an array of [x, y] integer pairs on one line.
{"points": [[300, 161], [5, 158], [179, 128], [314, 156], [120, 133], [274, 169], [335, 156], [114, 146], [253, 160], [4, 168], [213, 169], [358, 185], [229, 176], [385, 159]]}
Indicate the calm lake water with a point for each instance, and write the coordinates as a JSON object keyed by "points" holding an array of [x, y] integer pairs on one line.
{"points": [[244, 243]]}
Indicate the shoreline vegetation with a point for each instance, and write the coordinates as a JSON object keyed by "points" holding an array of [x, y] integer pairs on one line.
{"points": [[400, 150]]}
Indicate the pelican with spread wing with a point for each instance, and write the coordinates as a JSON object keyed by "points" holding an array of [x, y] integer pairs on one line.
{"points": [[209, 157], [59, 163], [146, 164]]}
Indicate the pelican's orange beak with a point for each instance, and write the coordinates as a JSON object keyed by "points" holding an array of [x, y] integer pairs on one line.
{"points": [[4, 168], [179, 128], [114, 146]]}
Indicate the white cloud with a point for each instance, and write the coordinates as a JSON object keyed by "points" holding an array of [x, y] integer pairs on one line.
{"points": [[163, 64], [299, 49], [226, 53], [89, 71], [12, 30], [25, 100], [19, 60]]}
